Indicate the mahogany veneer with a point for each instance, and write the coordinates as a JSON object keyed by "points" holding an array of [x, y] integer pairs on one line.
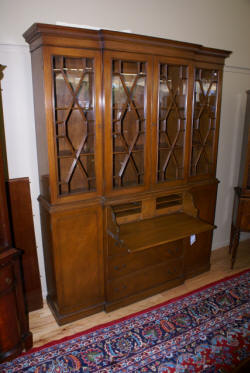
{"points": [[24, 239], [127, 135]]}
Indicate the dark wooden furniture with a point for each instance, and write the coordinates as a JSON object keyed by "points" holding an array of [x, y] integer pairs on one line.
{"points": [[5, 234], [14, 327], [19, 231], [24, 238], [127, 133], [241, 209]]}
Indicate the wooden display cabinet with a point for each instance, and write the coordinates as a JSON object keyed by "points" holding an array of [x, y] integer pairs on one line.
{"points": [[127, 134], [241, 209]]}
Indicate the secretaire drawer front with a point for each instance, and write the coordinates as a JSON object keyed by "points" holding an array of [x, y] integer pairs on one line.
{"points": [[145, 279], [121, 265]]}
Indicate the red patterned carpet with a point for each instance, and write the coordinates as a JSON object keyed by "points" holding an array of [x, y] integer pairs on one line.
{"points": [[203, 331]]}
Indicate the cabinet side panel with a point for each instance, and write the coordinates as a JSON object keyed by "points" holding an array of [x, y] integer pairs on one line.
{"points": [[24, 238], [197, 255], [78, 252], [40, 119]]}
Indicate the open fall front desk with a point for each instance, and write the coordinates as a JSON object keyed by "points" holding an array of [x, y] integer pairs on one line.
{"points": [[160, 230]]}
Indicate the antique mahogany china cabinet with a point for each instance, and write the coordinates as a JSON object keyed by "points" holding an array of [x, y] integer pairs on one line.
{"points": [[241, 210], [127, 133], [14, 324]]}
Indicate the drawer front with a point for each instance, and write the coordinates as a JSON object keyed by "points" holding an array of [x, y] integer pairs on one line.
{"points": [[143, 280], [6, 277], [121, 265]]}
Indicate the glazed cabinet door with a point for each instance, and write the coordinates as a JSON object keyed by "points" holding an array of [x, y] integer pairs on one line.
{"points": [[205, 122], [127, 92], [74, 127], [171, 120]]}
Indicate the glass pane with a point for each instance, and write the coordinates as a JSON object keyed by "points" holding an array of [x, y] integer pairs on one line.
{"points": [[204, 121], [128, 122], [74, 123], [171, 121]]}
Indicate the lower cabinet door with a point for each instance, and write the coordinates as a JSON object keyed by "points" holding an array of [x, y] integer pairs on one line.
{"points": [[10, 335], [78, 262], [14, 326], [197, 254]]}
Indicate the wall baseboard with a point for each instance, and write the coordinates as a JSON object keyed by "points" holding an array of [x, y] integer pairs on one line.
{"points": [[219, 245]]}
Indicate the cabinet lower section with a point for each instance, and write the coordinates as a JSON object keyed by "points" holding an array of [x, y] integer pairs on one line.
{"points": [[14, 324], [104, 256], [72, 238]]}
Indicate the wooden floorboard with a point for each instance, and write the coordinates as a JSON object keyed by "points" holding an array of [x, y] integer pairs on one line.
{"points": [[45, 329]]}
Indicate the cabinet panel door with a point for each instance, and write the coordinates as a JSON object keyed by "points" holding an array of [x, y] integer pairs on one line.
{"points": [[10, 334], [78, 258], [206, 113], [127, 89], [171, 119], [75, 128]]}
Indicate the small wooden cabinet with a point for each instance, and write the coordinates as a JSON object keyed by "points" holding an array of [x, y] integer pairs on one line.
{"points": [[241, 209], [127, 134], [14, 327]]}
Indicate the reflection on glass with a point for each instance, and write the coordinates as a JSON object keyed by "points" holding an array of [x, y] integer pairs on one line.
{"points": [[74, 123], [128, 118], [204, 121], [172, 121]]}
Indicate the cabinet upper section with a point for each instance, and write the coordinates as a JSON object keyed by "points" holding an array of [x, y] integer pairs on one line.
{"points": [[44, 34], [120, 113]]}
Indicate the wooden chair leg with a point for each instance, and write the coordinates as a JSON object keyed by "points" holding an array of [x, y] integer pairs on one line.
{"points": [[235, 244], [231, 238]]}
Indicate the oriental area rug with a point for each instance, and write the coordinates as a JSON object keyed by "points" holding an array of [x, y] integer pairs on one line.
{"points": [[203, 331]]}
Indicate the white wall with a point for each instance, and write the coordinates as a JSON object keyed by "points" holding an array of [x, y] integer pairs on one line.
{"points": [[214, 23], [236, 82]]}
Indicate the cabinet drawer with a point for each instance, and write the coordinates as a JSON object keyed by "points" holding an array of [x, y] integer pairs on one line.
{"points": [[121, 265], [143, 280], [6, 277]]}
